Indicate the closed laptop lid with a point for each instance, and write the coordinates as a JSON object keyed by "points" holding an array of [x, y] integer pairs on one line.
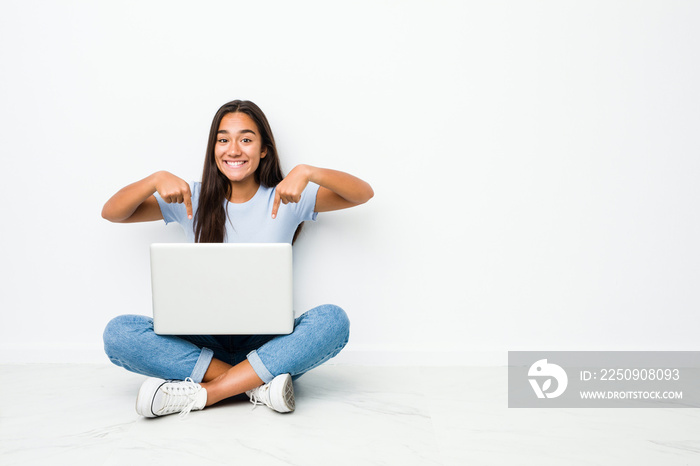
{"points": [[222, 288]]}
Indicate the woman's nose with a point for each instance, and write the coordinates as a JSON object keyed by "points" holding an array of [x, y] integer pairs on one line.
{"points": [[234, 150]]}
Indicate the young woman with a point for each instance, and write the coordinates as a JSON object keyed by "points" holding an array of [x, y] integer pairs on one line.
{"points": [[243, 197]]}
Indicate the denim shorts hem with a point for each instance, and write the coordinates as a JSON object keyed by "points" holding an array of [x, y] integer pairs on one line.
{"points": [[259, 368], [200, 368]]}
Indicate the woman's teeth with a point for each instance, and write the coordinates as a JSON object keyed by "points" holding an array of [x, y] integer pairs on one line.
{"points": [[235, 164]]}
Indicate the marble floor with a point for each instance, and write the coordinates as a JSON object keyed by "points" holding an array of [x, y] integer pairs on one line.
{"points": [[77, 414]]}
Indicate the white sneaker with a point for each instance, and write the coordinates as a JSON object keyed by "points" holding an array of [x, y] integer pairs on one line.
{"points": [[158, 397], [277, 394]]}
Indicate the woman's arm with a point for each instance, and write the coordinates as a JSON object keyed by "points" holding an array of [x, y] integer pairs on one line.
{"points": [[338, 190], [136, 203]]}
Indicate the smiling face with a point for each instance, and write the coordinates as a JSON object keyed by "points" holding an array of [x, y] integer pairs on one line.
{"points": [[238, 149]]}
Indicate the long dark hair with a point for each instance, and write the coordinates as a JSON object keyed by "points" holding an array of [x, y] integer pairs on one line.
{"points": [[210, 218]]}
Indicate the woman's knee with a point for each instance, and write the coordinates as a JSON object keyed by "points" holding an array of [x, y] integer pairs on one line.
{"points": [[335, 320], [120, 332]]}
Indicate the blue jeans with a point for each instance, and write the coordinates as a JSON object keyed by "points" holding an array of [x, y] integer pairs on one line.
{"points": [[318, 335]]}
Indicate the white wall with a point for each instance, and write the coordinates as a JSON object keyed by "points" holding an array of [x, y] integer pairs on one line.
{"points": [[535, 164]]}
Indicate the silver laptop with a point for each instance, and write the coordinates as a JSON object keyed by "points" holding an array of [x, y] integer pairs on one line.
{"points": [[222, 289]]}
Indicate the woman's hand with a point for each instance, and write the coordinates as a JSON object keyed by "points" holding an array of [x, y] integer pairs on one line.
{"points": [[174, 189], [136, 202], [291, 187], [337, 190]]}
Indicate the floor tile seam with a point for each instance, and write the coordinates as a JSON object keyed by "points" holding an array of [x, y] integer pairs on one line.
{"points": [[426, 394]]}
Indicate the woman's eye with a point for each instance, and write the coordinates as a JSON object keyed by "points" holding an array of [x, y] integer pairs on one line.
{"points": [[247, 140], [223, 141]]}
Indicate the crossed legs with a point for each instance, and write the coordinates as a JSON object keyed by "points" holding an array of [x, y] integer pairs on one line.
{"points": [[318, 335], [222, 380]]}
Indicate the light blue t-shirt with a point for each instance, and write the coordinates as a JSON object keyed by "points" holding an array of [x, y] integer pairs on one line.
{"points": [[250, 222]]}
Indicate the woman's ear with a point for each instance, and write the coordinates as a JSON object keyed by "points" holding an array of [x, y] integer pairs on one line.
{"points": [[263, 152]]}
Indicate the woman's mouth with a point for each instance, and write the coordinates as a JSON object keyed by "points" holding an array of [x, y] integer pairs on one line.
{"points": [[235, 163]]}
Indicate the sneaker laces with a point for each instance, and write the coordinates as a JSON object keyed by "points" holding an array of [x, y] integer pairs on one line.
{"points": [[180, 396], [260, 395]]}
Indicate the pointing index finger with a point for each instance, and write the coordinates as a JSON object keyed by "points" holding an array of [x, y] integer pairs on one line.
{"points": [[276, 204], [188, 203]]}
